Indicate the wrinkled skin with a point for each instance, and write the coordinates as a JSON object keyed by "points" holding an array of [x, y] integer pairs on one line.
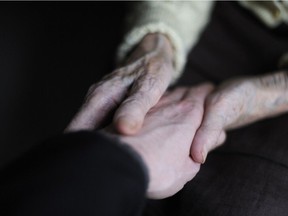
{"points": [[131, 90], [165, 139], [236, 103]]}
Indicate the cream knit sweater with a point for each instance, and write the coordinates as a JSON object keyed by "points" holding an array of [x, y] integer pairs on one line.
{"points": [[183, 21]]}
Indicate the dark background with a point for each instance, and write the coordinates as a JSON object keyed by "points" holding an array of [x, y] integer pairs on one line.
{"points": [[50, 53]]}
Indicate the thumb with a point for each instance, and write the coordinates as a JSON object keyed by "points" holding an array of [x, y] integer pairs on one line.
{"points": [[209, 135]]}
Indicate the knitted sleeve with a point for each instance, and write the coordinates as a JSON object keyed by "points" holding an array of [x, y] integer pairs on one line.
{"points": [[180, 21]]}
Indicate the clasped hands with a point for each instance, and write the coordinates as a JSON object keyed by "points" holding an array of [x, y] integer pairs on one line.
{"points": [[172, 131]]}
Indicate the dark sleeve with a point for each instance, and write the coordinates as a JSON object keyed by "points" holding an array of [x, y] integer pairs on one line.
{"points": [[74, 174]]}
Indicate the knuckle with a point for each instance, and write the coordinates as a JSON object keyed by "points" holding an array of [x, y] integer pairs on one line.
{"points": [[147, 89], [121, 76], [103, 104], [91, 92], [98, 96], [94, 89], [190, 106], [136, 103], [138, 99], [107, 104]]}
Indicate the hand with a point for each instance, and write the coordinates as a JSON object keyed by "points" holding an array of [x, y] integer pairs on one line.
{"points": [[132, 89], [164, 141], [237, 103]]}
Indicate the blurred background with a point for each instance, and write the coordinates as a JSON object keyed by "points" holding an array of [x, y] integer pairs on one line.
{"points": [[50, 53]]}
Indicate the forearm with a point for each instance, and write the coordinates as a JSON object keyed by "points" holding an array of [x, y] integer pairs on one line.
{"points": [[258, 98], [273, 93]]}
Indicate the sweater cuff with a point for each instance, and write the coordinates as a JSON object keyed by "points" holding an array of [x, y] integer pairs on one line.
{"points": [[136, 35]]}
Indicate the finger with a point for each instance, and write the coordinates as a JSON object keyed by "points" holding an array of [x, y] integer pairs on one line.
{"points": [[184, 93], [194, 100], [172, 96], [207, 135], [100, 101], [145, 93], [198, 93]]}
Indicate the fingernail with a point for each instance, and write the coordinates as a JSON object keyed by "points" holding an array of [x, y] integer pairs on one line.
{"points": [[204, 155], [127, 124], [131, 125]]}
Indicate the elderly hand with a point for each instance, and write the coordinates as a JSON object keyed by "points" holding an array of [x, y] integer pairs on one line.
{"points": [[164, 141], [237, 103], [132, 89]]}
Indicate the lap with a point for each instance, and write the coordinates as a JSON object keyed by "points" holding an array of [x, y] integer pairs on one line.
{"points": [[230, 184]]}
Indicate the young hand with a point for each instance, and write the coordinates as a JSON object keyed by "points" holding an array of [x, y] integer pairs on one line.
{"points": [[165, 139]]}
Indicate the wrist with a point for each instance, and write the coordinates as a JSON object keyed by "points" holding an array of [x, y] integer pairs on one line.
{"points": [[156, 44], [159, 43], [143, 153], [133, 144]]}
